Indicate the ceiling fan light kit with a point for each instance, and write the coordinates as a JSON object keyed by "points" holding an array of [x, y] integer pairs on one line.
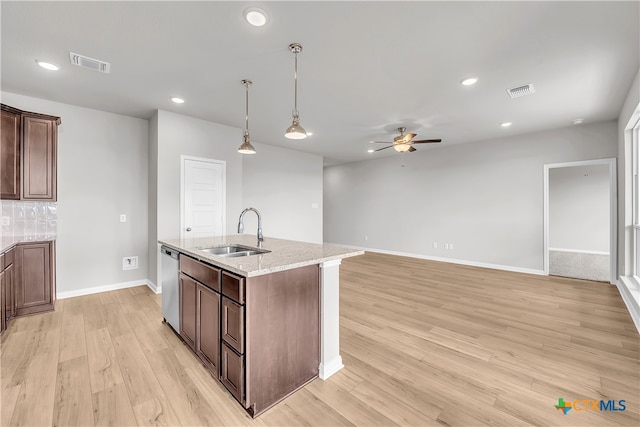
{"points": [[246, 147], [295, 131], [403, 143]]}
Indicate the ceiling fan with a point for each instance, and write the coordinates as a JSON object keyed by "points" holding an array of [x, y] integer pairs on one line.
{"points": [[404, 142]]}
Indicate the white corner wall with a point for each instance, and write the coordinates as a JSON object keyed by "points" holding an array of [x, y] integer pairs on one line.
{"points": [[182, 135], [286, 187], [579, 208], [485, 198], [102, 173]]}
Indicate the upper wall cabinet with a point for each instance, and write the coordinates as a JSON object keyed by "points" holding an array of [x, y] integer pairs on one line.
{"points": [[28, 155]]}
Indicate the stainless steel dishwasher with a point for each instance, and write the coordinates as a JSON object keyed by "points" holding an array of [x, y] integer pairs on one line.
{"points": [[170, 291]]}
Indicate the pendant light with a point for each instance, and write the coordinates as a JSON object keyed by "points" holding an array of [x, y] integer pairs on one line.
{"points": [[295, 131], [246, 147]]}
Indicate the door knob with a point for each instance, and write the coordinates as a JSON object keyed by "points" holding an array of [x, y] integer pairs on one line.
{"points": [[188, 228]]}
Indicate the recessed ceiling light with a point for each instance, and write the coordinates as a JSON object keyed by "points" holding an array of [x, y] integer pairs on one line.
{"points": [[370, 150], [255, 16], [505, 124], [177, 100], [48, 65], [469, 81], [578, 121]]}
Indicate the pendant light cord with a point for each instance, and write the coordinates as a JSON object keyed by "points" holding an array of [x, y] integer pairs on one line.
{"points": [[295, 75], [246, 128]]}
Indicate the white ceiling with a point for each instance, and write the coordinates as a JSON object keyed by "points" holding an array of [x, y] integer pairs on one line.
{"points": [[366, 67]]}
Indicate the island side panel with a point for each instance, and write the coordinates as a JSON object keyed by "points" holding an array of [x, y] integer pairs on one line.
{"points": [[282, 334]]}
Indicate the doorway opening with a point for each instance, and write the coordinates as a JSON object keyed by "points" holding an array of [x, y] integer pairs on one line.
{"points": [[580, 216]]}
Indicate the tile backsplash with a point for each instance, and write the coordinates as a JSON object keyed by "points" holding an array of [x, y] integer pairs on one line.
{"points": [[36, 220]]}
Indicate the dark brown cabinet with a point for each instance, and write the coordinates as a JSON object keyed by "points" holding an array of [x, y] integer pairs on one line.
{"points": [[39, 148], [34, 286], [188, 301], [259, 335], [27, 280], [208, 328], [200, 311], [10, 154], [28, 155]]}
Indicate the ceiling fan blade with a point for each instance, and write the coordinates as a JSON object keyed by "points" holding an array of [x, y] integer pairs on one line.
{"points": [[425, 141], [411, 149], [408, 137], [383, 148]]}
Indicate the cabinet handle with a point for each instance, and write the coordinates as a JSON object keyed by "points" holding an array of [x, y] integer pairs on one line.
{"points": [[188, 228]]}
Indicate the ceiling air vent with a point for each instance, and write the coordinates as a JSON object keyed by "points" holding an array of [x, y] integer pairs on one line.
{"points": [[517, 92], [90, 63]]}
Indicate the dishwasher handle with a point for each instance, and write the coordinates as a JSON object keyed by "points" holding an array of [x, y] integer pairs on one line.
{"points": [[170, 252]]}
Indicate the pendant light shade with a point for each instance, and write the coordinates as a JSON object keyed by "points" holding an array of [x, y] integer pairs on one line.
{"points": [[295, 131], [246, 147]]}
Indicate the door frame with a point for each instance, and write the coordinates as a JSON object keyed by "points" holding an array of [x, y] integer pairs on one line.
{"points": [[613, 211], [184, 158]]}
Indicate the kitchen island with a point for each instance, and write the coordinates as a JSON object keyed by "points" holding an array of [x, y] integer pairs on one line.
{"points": [[264, 324]]}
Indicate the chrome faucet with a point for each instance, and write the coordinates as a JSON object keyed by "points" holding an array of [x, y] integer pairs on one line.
{"points": [[241, 224]]}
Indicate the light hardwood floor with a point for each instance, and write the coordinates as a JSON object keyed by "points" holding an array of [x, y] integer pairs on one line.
{"points": [[424, 343]]}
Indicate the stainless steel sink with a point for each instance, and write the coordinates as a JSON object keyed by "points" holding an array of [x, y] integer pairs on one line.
{"points": [[233, 251]]}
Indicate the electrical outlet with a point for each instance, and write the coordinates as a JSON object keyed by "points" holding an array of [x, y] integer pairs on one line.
{"points": [[366, 238], [6, 220], [450, 246], [130, 263], [435, 245], [123, 218], [446, 246]]}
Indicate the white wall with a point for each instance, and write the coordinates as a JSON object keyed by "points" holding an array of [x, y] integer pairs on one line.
{"points": [[486, 197], [579, 208], [625, 172], [284, 185], [102, 173], [182, 135]]}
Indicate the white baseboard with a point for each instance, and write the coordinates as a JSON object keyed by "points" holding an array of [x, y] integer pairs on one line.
{"points": [[450, 260], [156, 289], [579, 251], [113, 287], [327, 369], [631, 297]]}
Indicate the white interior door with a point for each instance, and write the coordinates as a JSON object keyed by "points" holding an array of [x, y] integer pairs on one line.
{"points": [[203, 197]]}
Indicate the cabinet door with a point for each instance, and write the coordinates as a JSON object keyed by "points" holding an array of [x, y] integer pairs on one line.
{"points": [[10, 155], [9, 292], [208, 329], [188, 298], [3, 318], [233, 324], [39, 145], [33, 284], [232, 372]]}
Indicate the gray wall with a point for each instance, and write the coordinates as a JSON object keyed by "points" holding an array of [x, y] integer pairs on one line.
{"points": [[182, 135], [102, 173], [286, 187], [579, 208], [153, 200], [485, 198], [625, 172]]}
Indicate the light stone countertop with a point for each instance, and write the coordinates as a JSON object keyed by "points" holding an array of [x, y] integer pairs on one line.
{"points": [[7, 242], [284, 255]]}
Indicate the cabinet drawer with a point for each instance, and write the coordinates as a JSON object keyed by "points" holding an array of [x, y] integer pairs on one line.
{"points": [[203, 273], [233, 324], [233, 287], [232, 373]]}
